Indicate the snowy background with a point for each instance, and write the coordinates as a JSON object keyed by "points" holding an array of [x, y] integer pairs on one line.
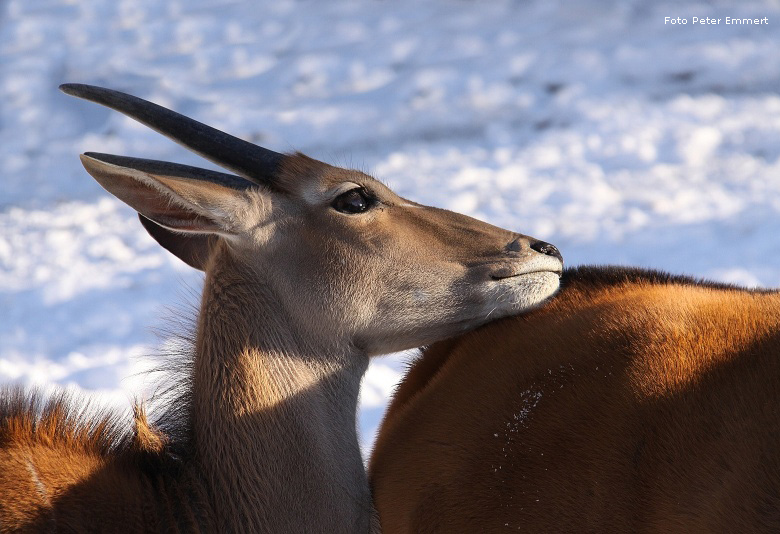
{"points": [[591, 125]]}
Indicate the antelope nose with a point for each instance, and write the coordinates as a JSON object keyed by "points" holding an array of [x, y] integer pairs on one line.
{"points": [[548, 249]]}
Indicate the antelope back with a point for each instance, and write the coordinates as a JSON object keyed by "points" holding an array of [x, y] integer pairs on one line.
{"points": [[633, 401]]}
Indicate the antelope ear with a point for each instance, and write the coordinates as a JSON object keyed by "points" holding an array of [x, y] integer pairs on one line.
{"points": [[192, 249], [183, 208]]}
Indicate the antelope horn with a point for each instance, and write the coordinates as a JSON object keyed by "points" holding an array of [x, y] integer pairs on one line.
{"points": [[167, 168], [248, 160]]}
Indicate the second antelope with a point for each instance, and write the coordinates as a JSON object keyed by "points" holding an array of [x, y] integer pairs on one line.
{"points": [[635, 401], [310, 270]]}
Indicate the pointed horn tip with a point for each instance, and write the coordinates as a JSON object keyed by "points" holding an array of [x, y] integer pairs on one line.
{"points": [[85, 91], [252, 162], [72, 88]]}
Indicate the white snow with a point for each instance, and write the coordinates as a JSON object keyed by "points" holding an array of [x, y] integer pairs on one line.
{"points": [[593, 125]]}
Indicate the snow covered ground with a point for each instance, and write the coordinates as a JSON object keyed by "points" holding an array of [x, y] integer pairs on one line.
{"points": [[595, 126]]}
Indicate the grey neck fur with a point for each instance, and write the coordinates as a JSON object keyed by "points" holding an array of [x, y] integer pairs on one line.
{"points": [[273, 419]]}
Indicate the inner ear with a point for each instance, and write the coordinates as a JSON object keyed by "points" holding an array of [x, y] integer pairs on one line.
{"points": [[193, 249], [178, 197], [185, 209]]}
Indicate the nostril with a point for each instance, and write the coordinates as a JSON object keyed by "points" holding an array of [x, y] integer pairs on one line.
{"points": [[547, 249]]}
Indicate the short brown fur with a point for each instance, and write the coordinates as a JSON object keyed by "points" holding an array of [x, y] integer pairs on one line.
{"points": [[634, 402], [59, 458]]}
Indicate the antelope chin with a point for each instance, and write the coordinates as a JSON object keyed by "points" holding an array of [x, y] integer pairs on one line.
{"points": [[521, 293]]}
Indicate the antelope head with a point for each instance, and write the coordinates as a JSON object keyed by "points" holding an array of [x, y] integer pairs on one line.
{"points": [[345, 258]]}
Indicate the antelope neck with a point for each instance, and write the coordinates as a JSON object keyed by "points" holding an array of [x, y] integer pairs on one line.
{"points": [[273, 420]]}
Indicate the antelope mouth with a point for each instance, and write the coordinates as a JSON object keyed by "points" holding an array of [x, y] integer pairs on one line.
{"points": [[538, 265], [497, 277]]}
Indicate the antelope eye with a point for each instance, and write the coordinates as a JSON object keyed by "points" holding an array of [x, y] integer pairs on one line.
{"points": [[353, 201]]}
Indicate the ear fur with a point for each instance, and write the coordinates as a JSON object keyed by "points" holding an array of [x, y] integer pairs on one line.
{"points": [[183, 208], [178, 203], [192, 249]]}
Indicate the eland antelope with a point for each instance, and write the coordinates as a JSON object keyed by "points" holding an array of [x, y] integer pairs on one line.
{"points": [[635, 401], [310, 270]]}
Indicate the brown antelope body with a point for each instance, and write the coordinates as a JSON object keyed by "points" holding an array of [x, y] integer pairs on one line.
{"points": [[309, 270], [633, 402]]}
